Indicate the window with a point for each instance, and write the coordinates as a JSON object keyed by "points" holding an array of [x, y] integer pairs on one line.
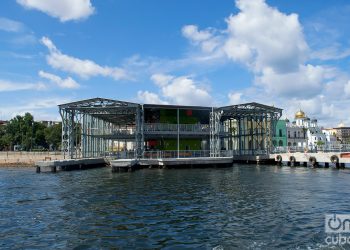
{"points": [[288, 134], [280, 133], [298, 134], [295, 134], [280, 143]]}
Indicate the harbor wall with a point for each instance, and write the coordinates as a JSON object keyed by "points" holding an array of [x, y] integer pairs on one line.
{"points": [[22, 158]]}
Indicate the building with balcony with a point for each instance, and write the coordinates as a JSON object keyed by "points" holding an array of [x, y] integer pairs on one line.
{"points": [[99, 127]]}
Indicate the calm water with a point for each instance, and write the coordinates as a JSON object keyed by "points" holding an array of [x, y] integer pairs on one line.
{"points": [[243, 207]]}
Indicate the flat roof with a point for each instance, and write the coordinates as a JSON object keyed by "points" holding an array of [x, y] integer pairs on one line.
{"points": [[106, 103], [123, 112]]}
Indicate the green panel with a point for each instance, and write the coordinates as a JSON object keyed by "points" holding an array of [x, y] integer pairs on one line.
{"points": [[171, 144], [170, 116]]}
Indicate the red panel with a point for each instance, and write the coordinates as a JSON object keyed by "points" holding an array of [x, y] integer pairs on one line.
{"points": [[189, 112]]}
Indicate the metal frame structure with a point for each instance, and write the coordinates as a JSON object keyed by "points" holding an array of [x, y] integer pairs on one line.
{"points": [[245, 128], [91, 128]]}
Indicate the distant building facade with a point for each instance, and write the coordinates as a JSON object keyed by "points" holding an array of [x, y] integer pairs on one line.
{"points": [[302, 132], [342, 133], [3, 123], [280, 138], [49, 123]]}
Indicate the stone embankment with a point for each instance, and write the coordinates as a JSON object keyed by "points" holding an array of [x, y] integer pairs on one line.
{"points": [[11, 158]]}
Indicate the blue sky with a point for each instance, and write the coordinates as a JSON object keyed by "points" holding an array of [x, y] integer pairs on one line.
{"points": [[285, 53]]}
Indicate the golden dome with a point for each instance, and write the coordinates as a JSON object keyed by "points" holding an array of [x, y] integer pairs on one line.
{"points": [[300, 114]]}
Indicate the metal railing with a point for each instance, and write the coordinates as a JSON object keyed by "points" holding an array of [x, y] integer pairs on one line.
{"points": [[159, 154], [159, 127], [176, 154], [129, 154]]}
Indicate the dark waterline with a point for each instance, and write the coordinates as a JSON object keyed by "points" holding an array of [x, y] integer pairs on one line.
{"points": [[243, 207]]}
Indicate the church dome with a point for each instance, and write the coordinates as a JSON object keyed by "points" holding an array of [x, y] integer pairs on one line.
{"points": [[300, 115]]}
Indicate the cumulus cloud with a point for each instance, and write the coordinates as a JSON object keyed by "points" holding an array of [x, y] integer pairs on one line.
{"points": [[268, 37], [272, 46], [64, 10], [161, 79], [235, 98], [10, 25], [82, 68], [306, 82], [149, 98], [192, 32], [206, 39], [7, 86], [181, 90], [67, 83]]}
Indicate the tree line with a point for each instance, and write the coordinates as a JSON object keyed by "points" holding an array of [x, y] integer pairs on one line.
{"points": [[23, 133]]}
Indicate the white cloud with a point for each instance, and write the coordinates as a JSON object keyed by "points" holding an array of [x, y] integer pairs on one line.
{"points": [[272, 46], [149, 98], [204, 38], [40, 108], [269, 43], [83, 68], [305, 82], [235, 98], [10, 25], [273, 39], [192, 32], [65, 10], [7, 86], [182, 90], [67, 83], [331, 53], [161, 79]]}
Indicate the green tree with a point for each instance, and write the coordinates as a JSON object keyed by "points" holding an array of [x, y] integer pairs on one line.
{"points": [[28, 134], [53, 136], [5, 140]]}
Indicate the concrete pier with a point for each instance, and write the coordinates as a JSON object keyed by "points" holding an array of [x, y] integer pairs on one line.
{"points": [[68, 165], [129, 165], [320, 159]]}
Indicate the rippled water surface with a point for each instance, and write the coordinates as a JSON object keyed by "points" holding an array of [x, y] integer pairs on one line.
{"points": [[243, 207]]}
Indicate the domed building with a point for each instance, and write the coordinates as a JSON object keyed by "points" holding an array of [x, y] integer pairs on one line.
{"points": [[304, 132]]}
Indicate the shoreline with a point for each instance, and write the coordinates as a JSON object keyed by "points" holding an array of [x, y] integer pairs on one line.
{"points": [[17, 165]]}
